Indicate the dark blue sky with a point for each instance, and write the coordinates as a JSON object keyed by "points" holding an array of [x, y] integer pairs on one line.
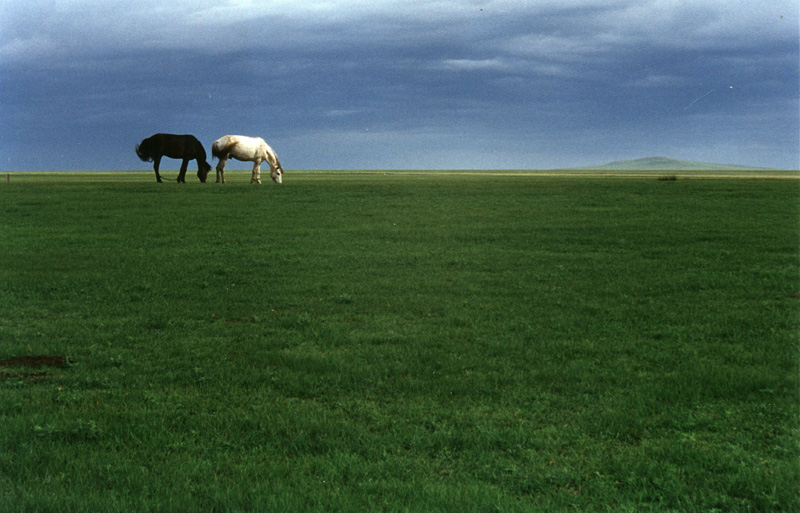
{"points": [[405, 84]]}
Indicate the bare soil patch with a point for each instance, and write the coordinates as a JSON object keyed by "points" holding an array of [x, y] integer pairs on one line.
{"points": [[35, 362]]}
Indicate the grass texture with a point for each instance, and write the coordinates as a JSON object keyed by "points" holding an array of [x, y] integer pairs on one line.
{"points": [[399, 342]]}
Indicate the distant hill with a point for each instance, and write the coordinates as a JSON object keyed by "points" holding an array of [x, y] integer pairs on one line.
{"points": [[668, 164]]}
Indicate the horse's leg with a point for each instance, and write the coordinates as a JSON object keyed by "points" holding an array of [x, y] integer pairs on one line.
{"points": [[256, 173], [182, 174], [221, 168], [156, 163]]}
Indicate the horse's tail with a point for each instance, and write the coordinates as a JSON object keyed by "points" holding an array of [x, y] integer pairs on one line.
{"points": [[220, 148], [143, 153]]}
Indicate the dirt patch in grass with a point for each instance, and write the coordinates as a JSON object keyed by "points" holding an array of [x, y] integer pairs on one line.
{"points": [[35, 362], [30, 377], [31, 362]]}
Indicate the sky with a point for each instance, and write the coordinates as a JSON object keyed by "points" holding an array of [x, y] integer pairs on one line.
{"points": [[402, 84]]}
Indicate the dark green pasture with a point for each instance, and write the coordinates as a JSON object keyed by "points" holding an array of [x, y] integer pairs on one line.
{"points": [[399, 342]]}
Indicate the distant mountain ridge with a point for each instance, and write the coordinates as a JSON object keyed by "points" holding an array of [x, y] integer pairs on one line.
{"points": [[670, 164]]}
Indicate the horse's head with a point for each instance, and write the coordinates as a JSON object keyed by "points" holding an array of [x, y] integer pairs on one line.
{"points": [[276, 173], [202, 171]]}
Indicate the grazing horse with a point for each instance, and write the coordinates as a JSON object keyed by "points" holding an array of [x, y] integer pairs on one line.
{"points": [[251, 149], [184, 147]]}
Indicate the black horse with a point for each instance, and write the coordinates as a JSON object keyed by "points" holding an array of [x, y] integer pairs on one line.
{"points": [[185, 147]]}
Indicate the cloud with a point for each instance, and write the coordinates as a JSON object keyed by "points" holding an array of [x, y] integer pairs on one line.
{"points": [[33, 47], [698, 24], [473, 64], [418, 71], [340, 113], [658, 80], [563, 48], [550, 30]]}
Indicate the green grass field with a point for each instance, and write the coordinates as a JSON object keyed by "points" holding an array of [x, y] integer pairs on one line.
{"points": [[399, 342]]}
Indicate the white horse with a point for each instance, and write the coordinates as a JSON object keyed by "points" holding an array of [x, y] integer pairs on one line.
{"points": [[251, 149]]}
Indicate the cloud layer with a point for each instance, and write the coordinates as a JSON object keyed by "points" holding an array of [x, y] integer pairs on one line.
{"points": [[404, 84]]}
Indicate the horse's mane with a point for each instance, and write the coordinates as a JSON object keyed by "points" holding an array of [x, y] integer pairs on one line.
{"points": [[277, 161], [272, 156], [199, 147], [201, 151]]}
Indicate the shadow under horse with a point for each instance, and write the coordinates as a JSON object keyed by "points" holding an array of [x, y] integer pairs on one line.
{"points": [[183, 147]]}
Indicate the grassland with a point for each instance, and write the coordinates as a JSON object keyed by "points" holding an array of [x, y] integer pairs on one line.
{"points": [[400, 342]]}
